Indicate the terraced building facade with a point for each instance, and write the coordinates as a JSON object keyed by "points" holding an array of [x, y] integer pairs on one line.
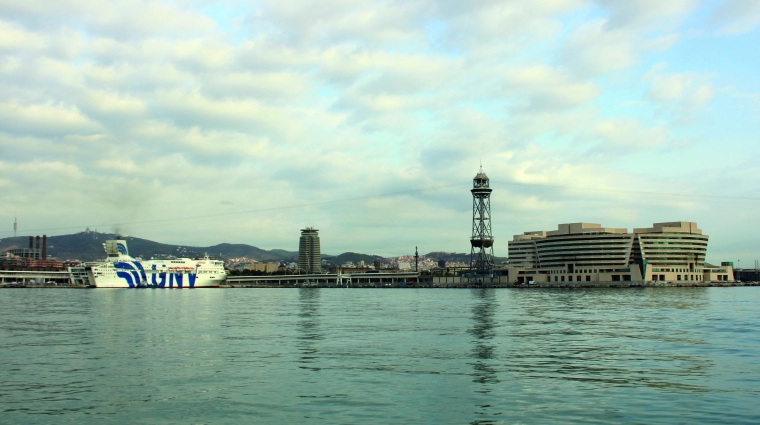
{"points": [[578, 252]]}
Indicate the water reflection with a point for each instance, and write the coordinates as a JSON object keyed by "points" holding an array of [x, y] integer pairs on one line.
{"points": [[610, 338], [308, 327], [484, 372]]}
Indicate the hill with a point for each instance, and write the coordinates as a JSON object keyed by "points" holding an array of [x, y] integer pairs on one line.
{"points": [[352, 257], [454, 257], [451, 257], [88, 246]]}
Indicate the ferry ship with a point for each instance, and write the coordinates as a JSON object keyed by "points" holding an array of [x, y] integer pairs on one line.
{"points": [[120, 270]]}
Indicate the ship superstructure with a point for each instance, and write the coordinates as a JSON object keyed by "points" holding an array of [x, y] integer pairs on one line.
{"points": [[120, 270]]}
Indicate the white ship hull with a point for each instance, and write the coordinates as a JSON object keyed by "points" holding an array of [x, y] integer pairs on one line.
{"points": [[122, 271]]}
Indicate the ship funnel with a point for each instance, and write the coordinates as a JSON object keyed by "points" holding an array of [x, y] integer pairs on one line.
{"points": [[116, 248]]}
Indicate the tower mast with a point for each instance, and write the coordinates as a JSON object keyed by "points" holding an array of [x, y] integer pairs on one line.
{"points": [[416, 259], [481, 241], [15, 226]]}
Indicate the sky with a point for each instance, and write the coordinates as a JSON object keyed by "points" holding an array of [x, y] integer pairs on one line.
{"points": [[202, 122]]}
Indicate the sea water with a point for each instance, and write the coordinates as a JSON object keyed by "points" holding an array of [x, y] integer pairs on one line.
{"points": [[377, 356]]}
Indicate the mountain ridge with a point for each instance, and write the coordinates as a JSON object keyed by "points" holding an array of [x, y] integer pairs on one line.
{"points": [[88, 246]]}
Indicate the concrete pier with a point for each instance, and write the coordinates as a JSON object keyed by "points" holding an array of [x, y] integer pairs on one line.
{"points": [[28, 278], [327, 280]]}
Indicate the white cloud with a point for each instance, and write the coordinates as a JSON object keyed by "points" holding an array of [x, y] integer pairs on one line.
{"points": [[134, 106], [113, 104], [123, 19], [647, 13], [593, 49], [14, 37], [328, 22], [680, 93], [283, 86], [547, 88], [622, 136], [618, 41], [736, 16], [189, 109], [45, 119], [510, 22]]}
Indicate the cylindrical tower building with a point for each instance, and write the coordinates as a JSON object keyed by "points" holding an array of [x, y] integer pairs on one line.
{"points": [[309, 258], [481, 241]]}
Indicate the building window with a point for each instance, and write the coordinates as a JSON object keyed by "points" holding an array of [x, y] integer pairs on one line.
{"points": [[588, 278], [678, 277]]}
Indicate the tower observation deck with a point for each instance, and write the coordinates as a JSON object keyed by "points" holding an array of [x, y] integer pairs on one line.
{"points": [[481, 241]]}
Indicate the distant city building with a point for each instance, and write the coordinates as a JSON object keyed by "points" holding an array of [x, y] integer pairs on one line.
{"points": [[309, 259], [264, 267], [32, 253], [576, 252], [30, 259]]}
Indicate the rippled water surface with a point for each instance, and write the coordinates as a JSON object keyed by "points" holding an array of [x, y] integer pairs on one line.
{"points": [[371, 356]]}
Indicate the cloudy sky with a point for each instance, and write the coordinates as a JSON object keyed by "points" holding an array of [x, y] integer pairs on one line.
{"points": [[201, 122]]}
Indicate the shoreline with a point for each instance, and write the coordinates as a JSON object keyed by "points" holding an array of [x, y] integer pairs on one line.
{"points": [[564, 285], [524, 286]]}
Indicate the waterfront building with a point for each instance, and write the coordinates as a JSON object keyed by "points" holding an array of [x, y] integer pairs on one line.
{"points": [[588, 252], [264, 267], [309, 258]]}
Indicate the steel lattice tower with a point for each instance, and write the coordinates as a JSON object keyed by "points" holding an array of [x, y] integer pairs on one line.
{"points": [[481, 254]]}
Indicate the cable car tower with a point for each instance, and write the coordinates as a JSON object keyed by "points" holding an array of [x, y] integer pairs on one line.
{"points": [[481, 254]]}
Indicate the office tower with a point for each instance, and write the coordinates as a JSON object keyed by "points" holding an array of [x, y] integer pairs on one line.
{"points": [[309, 260]]}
